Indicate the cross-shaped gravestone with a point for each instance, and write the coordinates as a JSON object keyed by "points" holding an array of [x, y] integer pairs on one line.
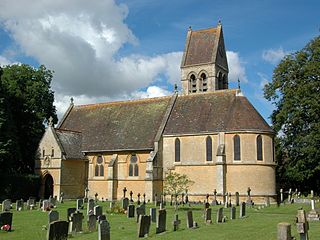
{"points": [[176, 222], [53, 216], [58, 230], [161, 221]]}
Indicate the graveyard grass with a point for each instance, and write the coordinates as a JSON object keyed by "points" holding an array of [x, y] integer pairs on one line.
{"points": [[258, 225]]}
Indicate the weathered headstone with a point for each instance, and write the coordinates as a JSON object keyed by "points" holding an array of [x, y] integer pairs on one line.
{"points": [[53, 216], [97, 210], [302, 225], [153, 214], [69, 212], [284, 231], [58, 230], [79, 204], [19, 205], [76, 222], [6, 205], [144, 226], [104, 230], [219, 215], [232, 213], [189, 219], [161, 221], [176, 222], [237, 198], [125, 203], [130, 212], [45, 205], [6, 218], [90, 206], [242, 210], [207, 215], [92, 219]]}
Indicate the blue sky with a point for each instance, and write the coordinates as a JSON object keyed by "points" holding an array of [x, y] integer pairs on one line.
{"points": [[110, 50]]}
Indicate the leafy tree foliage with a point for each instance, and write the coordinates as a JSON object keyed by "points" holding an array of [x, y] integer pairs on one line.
{"points": [[295, 92], [26, 101]]}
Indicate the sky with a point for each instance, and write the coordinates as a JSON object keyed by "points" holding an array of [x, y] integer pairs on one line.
{"points": [[108, 50]]}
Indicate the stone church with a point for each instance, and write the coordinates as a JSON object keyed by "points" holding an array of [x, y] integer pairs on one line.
{"points": [[209, 132]]}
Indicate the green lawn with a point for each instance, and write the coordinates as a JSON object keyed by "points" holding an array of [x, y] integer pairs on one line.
{"points": [[258, 225]]}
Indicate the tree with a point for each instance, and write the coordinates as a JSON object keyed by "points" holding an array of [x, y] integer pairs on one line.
{"points": [[26, 101], [176, 184], [294, 91]]}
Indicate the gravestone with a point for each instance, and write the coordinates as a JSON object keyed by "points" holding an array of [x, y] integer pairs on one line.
{"points": [[144, 226], [176, 222], [19, 205], [104, 230], [189, 219], [214, 202], [32, 201], [161, 221], [79, 204], [45, 205], [6, 218], [101, 218], [207, 215], [219, 215], [237, 198], [302, 225], [58, 230], [140, 210], [69, 212], [284, 231], [290, 196], [6, 205], [90, 206], [53, 216], [281, 195], [130, 212], [76, 222], [97, 210], [153, 214], [232, 213], [125, 203], [52, 201], [242, 210], [249, 200], [92, 219]]}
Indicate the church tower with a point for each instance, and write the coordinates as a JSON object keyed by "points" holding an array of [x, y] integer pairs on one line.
{"points": [[204, 65]]}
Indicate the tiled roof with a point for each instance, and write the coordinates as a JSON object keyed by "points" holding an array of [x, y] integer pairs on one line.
{"points": [[214, 112], [71, 143], [117, 125]]}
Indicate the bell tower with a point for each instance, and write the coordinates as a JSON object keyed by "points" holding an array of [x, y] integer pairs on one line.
{"points": [[204, 65]]}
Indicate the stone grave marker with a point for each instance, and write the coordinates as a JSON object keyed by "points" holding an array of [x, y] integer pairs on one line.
{"points": [[237, 198], [281, 195], [19, 205], [302, 225], [232, 213], [6, 205], [101, 218], [104, 230], [58, 230], [92, 219], [90, 206], [153, 214], [189, 219], [249, 200], [207, 215], [53, 216], [79, 204], [52, 201], [97, 210], [32, 201], [176, 222], [69, 212], [130, 212], [214, 201], [76, 222], [242, 210], [284, 231], [45, 205], [161, 221], [220, 215], [144, 226], [6, 218], [125, 203], [140, 210], [290, 196]]}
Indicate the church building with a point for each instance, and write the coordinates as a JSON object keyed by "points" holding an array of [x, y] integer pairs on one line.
{"points": [[209, 132]]}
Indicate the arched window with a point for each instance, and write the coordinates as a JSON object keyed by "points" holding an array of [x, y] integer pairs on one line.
{"points": [[193, 83], [204, 82], [236, 148], [259, 148], [99, 169], [133, 166], [177, 150], [209, 148]]}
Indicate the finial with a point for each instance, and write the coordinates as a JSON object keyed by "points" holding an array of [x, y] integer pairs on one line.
{"points": [[50, 121], [239, 84], [190, 29], [71, 100], [175, 88], [219, 22]]}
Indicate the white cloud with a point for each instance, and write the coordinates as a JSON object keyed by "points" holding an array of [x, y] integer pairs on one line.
{"points": [[4, 61], [264, 79], [152, 91], [236, 67], [274, 56]]}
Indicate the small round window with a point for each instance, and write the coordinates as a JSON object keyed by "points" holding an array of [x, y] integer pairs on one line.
{"points": [[133, 159], [99, 159]]}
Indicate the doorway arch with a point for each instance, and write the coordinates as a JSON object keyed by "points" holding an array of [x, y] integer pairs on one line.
{"points": [[48, 186]]}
